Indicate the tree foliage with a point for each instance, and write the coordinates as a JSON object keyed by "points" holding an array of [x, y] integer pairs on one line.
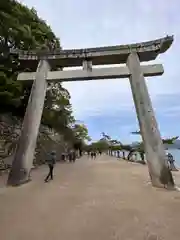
{"points": [[164, 140], [170, 140], [80, 136], [81, 132], [100, 145], [105, 143], [21, 28]]}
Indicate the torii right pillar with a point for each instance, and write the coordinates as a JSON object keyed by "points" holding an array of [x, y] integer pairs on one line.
{"points": [[155, 153]]}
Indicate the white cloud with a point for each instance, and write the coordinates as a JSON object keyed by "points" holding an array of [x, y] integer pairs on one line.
{"points": [[95, 97]]}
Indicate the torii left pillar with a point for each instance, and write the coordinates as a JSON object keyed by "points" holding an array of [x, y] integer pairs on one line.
{"points": [[24, 155]]}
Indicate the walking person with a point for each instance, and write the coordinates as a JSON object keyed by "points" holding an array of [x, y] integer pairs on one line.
{"points": [[92, 155], [70, 156], [74, 156], [63, 157], [51, 162]]}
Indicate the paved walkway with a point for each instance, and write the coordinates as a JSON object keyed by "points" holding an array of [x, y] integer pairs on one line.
{"points": [[90, 200]]}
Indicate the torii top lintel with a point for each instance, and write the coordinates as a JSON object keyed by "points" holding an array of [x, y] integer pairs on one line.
{"points": [[99, 56]]}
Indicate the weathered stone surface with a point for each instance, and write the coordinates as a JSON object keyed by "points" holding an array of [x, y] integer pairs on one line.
{"points": [[24, 155], [154, 149], [92, 74], [99, 56], [103, 199]]}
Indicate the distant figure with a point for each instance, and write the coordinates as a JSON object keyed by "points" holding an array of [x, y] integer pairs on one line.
{"points": [[74, 156], [51, 162], [170, 157], [92, 155], [171, 162], [100, 153], [70, 156], [142, 156], [88, 153], [63, 157]]}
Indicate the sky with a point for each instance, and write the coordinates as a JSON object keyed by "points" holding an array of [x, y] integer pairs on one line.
{"points": [[107, 105]]}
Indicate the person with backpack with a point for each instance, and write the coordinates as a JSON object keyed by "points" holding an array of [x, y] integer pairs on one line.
{"points": [[51, 162]]}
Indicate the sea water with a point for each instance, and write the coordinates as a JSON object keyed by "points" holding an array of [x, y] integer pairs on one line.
{"points": [[174, 152]]}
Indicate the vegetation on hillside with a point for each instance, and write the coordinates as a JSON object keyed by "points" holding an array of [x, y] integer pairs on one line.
{"points": [[21, 28]]}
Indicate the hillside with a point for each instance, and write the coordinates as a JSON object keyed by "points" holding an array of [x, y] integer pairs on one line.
{"points": [[21, 28]]}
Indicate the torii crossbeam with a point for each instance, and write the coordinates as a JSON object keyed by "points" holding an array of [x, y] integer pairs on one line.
{"points": [[43, 61], [93, 74]]}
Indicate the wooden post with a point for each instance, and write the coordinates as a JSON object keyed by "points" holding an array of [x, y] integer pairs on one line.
{"points": [[155, 153], [24, 155]]}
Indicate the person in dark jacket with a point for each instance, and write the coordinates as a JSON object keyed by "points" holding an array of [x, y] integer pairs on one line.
{"points": [[74, 156], [92, 155], [51, 162], [70, 156]]}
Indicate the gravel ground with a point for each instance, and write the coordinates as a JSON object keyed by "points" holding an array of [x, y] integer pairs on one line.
{"points": [[100, 199]]}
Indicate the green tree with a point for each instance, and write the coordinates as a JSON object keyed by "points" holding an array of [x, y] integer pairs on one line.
{"points": [[81, 132], [80, 136], [21, 28], [101, 145]]}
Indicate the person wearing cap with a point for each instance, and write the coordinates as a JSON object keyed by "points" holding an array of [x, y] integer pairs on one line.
{"points": [[51, 162]]}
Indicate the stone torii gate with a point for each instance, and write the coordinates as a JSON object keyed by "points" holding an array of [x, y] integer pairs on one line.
{"points": [[42, 62]]}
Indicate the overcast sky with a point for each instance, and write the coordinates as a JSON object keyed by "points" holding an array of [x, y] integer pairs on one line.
{"points": [[107, 105]]}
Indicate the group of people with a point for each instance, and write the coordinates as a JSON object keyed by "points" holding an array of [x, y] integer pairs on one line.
{"points": [[70, 156], [93, 154], [51, 160]]}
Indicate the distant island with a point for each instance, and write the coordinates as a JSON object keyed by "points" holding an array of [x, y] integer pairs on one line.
{"points": [[175, 145]]}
